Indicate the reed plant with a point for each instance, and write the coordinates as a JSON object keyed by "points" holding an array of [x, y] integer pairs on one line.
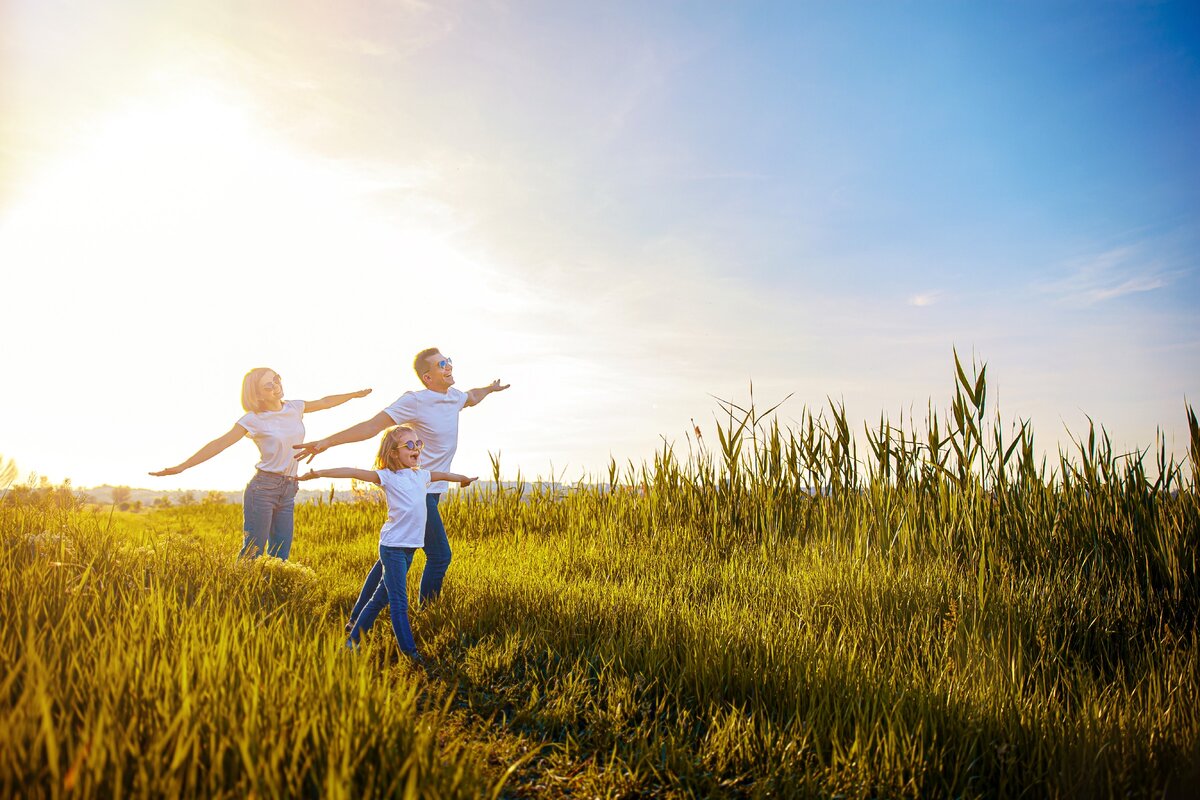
{"points": [[924, 610]]}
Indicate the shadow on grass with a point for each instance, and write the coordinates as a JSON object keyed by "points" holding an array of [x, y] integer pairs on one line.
{"points": [[711, 711]]}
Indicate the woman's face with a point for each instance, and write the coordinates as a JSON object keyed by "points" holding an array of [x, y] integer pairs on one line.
{"points": [[270, 386]]}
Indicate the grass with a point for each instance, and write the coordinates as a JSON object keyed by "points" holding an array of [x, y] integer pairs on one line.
{"points": [[768, 616]]}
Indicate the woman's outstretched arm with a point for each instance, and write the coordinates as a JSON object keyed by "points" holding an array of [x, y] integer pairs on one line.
{"points": [[341, 472], [205, 453], [333, 400]]}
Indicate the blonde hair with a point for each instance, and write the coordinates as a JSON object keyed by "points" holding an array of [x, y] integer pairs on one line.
{"points": [[389, 448], [252, 399], [419, 365]]}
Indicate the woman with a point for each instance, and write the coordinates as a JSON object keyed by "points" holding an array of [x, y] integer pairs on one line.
{"points": [[276, 426]]}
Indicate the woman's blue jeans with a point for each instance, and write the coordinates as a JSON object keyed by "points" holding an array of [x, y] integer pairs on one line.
{"points": [[268, 511], [437, 560], [390, 591]]}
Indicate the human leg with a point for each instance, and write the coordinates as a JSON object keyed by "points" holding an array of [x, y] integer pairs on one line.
{"points": [[395, 580], [391, 591], [279, 543], [437, 550], [368, 609], [257, 506], [368, 589]]}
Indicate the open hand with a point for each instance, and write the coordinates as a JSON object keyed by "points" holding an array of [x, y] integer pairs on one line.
{"points": [[468, 481], [495, 386], [360, 393], [168, 471], [308, 476], [309, 450]]}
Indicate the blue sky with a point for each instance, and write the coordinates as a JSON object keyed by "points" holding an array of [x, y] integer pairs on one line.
{"points": [[623, 208]]}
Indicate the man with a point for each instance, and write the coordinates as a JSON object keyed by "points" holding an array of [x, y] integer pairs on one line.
{"points": [[433, 413]]}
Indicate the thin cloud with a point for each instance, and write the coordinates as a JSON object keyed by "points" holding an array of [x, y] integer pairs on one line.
{"points": [[924, 299], [1106, 276]]}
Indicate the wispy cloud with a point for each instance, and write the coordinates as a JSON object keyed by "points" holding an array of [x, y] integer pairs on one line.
{"points": [[1106, 276], [924, 299]]}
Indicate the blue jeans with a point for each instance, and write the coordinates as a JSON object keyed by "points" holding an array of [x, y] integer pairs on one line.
{"points": [[391, 591], [268, 510], [437, 560]]}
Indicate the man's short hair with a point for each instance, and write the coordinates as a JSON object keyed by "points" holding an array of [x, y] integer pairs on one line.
{"points": [[419, 363]]}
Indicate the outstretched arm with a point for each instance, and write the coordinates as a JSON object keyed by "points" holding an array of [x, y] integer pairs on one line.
{"points": [[453, 477], [333, 400], [475, 396], [357, 433], [341, 472], [205, 453]]}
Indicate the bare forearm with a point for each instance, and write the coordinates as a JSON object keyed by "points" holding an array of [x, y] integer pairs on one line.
{"points": [[205, 453], [363, 430], [343, 472], [475, 396], [334, 400], [453, 477], [357, 433]]}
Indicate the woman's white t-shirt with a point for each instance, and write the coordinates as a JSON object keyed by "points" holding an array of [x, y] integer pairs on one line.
{"points": [[275, 432], [405, 491], [434, 416]]}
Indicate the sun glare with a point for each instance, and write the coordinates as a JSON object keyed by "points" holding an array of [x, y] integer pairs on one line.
{"points": [[187, 232]]}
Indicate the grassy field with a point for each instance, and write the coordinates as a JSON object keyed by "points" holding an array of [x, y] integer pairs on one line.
{"points": [[945, 616]]}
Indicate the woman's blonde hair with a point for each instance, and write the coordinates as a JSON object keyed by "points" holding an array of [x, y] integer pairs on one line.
{"points": [[389, 448], [252, 399]]}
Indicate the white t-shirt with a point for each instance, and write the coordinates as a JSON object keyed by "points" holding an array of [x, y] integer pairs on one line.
{"points": [[275, 432], [405, 493], [434, 416]]}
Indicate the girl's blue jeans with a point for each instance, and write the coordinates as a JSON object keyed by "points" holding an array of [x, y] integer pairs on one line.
{"points": [[391, 591], [437, 560], [268, 511]]}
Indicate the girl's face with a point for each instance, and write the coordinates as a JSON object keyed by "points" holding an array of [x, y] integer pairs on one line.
{"points": [[408, 449]]}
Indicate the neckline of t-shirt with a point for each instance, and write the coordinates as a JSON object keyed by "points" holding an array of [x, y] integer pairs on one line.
{"points": [[283, 407]]}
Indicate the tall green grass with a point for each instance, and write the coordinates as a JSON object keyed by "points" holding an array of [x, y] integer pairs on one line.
{"points": [[773, 613]]}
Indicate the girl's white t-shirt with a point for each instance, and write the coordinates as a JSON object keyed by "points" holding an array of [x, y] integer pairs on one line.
{"points": [[405, 491], [434, 416], [275, 432]]}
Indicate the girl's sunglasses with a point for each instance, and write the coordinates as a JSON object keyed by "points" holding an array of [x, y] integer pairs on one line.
{"points": [[411, 444]]}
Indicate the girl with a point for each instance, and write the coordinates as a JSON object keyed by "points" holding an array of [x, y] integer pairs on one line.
{"points": [[276, 426], [404, 485]]}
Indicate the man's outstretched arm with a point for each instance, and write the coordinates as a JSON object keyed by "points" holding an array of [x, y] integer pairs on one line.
{"points": [[475, 396], [356, 433]]}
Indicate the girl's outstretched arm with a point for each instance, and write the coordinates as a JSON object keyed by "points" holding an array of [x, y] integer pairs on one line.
{"points": [[461, 480], [341, 472], [205, 453], [333, 400]]}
